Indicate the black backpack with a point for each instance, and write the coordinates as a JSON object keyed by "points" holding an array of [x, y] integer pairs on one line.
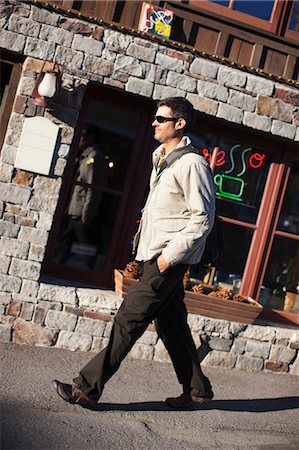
{"points": [[214, 244]]}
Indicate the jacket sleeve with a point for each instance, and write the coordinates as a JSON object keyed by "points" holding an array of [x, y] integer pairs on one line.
{"points": [[198, 189]]}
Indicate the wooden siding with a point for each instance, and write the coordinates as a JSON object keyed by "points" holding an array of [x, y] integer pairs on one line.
{"points": [[206, 31]]}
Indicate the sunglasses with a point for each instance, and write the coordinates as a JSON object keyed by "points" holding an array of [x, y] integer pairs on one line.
{"points": [[162, 119]]}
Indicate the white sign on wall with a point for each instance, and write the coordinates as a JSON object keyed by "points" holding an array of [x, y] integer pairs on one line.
{"points": [[37, 145]]}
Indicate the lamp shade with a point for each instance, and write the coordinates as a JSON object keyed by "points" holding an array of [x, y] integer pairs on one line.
{"points": [[47, 87]]}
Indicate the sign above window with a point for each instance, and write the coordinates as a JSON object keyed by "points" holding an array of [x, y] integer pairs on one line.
{"points": [[155, 20]]}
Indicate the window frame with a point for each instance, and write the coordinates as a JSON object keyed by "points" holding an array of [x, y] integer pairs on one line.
{"points": [[227, 11], [15, 76]]}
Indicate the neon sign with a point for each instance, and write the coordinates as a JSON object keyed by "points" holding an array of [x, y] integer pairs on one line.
{"points": [[229, 186]]}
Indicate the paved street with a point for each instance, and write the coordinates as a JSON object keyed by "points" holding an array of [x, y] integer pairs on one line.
{"points": [[250, 410]]}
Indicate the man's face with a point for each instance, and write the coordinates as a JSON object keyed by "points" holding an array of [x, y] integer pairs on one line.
{"points": [[165, 131]]}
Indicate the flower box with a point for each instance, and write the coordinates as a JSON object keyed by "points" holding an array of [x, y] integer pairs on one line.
{"points": [[202, 304]]}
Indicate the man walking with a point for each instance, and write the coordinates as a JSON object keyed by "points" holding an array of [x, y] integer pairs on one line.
{"points": [[177, 217]]}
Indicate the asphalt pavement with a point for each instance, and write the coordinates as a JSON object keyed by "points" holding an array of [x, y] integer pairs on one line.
{"points": [[249, 411]]}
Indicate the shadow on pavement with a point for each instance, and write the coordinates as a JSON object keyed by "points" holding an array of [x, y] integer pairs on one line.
{"points": [[252, 405]]}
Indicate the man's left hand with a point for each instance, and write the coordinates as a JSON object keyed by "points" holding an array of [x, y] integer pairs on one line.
{"points": [[162, 264]]}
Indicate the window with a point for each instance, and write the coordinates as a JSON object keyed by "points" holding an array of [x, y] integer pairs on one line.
{"points": [[263, 14], [10, 75]]}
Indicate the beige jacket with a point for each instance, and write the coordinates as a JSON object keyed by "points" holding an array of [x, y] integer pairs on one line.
{"points": [[179, 211]]}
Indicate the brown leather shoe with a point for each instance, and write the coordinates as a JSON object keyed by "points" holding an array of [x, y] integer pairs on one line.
{"points": [[72, 394], [186, 402]]}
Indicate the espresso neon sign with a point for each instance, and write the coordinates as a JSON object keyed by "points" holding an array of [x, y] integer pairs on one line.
{"points": [[229, 183]]}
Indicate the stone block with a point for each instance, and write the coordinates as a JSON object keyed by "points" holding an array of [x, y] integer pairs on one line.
{"points": [[57, 35], [20, 104], [14, 194], [114, 83], [294, 345], [141, 52], [73, 310], [242, 101], [90, 326], [6, 171], [59, 167], [22, 25], [108, 55], [169, 63], [23, 298], [283, 129], [50, 305], [14, 247], [287, 95], [97, 315], [25, 269], [60, 320], [5, 298], [140, 351], [108, 329], [276, 366], [223, 345], [24, 178], [140, 87], [212, 90], [275, 108], [258, 349], [37, 48], [29, 333], [162, 92], [8, 154], [36, 252], [56, 293], [87, 45], [98, 66], [282, 354], [72, 59], [251, 364], [74, 341], [203, 67], [117, 42], [148, 338], [14, 308], [66, 134], [180, 56], [98, 344], [238, 346], [180, 81], [7, 320], [45, 195], [8, 229], [287, 333], [40, 314], [12, 41], [196, 323], [231, 77], [12, 137], [30, 288], [220, 359], [236, 328], [160, 352], [27, 311], [257, 121], [76, 26], [259, 86], [129, 66], [10, 284], [44, 221], [5, 333], [4, 263], [230, 113], [98, 299], [43, 16], [259, 333]]}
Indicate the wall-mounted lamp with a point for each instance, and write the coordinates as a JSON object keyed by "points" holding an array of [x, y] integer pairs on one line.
{"points": [[46, 86]]}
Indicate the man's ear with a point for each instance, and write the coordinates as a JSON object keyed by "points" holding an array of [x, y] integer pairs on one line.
{"points": [[180, 123]]}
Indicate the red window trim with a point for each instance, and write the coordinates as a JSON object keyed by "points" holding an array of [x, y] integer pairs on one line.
{"points": [[227, 11]]}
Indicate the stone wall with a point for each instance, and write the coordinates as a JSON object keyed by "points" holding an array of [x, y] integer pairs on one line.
{"points": [[81, 319], [36, 313]]}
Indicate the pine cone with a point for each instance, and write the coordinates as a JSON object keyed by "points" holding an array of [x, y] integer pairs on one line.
{"points": [[198, 288], [240, 298], [132, 270], [186, 281]]}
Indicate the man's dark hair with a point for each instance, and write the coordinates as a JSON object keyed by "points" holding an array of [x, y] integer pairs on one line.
{"points": [[180, 108], [90, 129]]}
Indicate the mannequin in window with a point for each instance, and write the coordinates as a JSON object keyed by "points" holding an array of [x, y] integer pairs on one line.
{"points": [[90, 171]]}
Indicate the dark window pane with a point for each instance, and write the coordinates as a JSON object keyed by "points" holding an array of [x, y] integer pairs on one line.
{"points": [[261, 9], [294, 24], [220, 2], [240, 175], [280, 288], [231, 264], [289, 216]]}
